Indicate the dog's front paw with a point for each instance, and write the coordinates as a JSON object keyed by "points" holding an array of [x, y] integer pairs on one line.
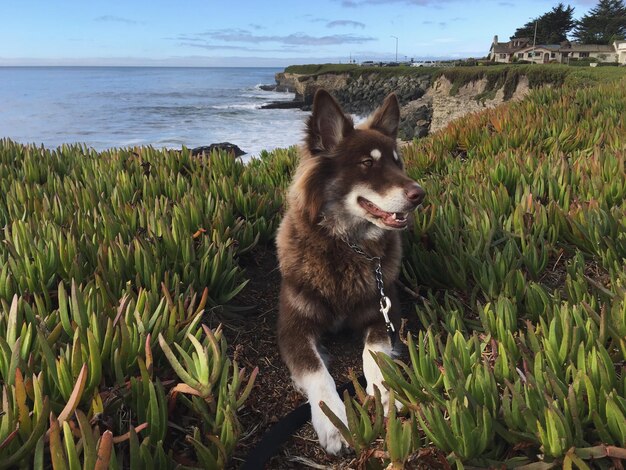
{"points": [[374, 377], [384, 398], [329, 436]]}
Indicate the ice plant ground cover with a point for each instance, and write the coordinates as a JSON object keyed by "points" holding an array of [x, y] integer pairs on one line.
{"points": [[520, 254], [110, 262]]}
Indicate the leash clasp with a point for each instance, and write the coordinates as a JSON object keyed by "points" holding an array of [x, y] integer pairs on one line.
{"points": [[385, 306]]}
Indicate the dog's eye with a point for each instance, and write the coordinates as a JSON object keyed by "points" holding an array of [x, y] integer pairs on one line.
{"points": [[368, 162]]}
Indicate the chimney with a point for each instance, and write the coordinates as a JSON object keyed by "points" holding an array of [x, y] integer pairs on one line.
{"points": [[495, 39]]}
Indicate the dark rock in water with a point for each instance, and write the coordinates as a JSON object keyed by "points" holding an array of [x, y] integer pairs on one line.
{"points": [[223, 146], [268, 87], [279, 87], [283, 105]]}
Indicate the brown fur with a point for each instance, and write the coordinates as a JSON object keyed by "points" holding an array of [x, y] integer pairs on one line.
{"points": [[325, 283]]}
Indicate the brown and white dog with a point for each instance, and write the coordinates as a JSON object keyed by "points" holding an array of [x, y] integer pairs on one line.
{"points": [[350, 188]]}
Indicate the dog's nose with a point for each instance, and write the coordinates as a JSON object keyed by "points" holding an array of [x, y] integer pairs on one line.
{"points": [[415, 193]]}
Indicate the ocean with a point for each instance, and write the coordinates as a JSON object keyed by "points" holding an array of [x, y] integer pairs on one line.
{"points": [[112, 107]]}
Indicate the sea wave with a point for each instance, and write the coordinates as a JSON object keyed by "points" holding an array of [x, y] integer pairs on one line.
{"points": [[237, 106], [111, 108]]}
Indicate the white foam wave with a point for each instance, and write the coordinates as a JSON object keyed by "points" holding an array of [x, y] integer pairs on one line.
{"points": [[238, 106]]}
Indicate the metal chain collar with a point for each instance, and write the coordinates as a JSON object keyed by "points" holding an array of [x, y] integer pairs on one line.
{"points": [[385, 302]]}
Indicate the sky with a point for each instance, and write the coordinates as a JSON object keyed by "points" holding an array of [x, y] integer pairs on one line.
{"points": [[256, 33]]}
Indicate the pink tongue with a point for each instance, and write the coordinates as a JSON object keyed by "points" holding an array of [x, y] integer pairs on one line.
{"points": [[389, 220], [378, 212]]}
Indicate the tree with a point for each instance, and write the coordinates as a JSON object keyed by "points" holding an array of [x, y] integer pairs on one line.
{"points": [[552, 27], [603, 24]]}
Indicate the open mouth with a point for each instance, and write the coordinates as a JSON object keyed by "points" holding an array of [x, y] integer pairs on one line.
{"points": [[390, 219]]}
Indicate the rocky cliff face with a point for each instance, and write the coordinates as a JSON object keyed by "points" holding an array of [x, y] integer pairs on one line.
{"points": [[426, 105], [470, 98]]}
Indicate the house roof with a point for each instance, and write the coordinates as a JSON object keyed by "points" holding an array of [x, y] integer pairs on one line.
{"points": [[503, 47], [508, 47], [588, 48], [547, 47]]}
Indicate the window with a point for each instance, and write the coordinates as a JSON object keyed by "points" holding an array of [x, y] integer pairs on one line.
{"points": [[552, 55], [503, 56], [530, 54], [584, 54]]}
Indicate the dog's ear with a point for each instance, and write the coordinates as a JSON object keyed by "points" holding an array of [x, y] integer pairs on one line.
{"points": [[327, 124], [387, 117]]}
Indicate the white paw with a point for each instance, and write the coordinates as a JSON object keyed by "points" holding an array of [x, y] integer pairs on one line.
{"points": [[374, 376], [384, 398], [319, 386], [329, 436]]}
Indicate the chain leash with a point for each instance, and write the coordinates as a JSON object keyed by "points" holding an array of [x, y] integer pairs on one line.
{"points": [[385, 302]]}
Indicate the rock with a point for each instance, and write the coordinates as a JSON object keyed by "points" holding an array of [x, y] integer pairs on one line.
{"points": [[268, 87], [415, 119], [223, 146], [284, 89], [283, 105], [286, 82], [421, 129]]}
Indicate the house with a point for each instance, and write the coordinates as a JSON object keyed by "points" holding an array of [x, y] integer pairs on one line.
{"points": [[620, 50], [503, 51], [523, 49], [600, 52], [539, 54]]}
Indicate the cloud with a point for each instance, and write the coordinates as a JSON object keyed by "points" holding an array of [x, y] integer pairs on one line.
{"points": [[114, 19], [441, 24], [340, 23], [214, 46], [182, 37], [314, 19], [294, 39], [422, 3], [217, 47]]}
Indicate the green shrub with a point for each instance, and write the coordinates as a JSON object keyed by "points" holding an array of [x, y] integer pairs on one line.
{"points": [[582, 62], [108, 262], [520, 253], [317, 69]]}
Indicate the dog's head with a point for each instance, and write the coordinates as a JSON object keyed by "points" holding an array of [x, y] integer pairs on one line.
{"points": [[355, 176]]}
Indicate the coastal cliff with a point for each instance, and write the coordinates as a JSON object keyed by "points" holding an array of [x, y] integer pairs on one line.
{"points": [[429, 99]]}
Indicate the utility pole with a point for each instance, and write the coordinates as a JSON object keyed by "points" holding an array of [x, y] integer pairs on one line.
{"points": [[396, 47], [534, 41]]}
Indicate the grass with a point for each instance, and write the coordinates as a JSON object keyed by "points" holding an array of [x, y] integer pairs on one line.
{"points": [[111, 261], [316, 69]]}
